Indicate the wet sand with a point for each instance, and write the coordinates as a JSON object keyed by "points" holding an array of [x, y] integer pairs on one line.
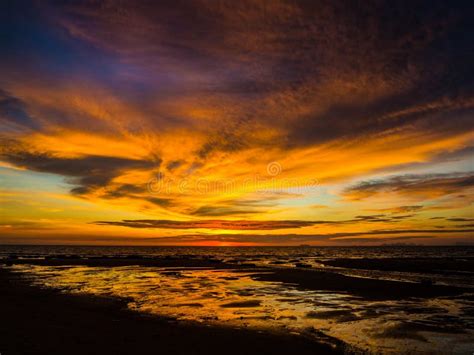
{"points": [[425, 265], [305, 278], [45, 321], [372, 289]]}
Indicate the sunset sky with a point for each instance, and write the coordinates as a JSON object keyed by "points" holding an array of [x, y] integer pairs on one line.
{"points": [[236, 122]]}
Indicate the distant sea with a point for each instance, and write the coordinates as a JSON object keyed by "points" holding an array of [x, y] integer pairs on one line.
{"points": [[260, 252]]}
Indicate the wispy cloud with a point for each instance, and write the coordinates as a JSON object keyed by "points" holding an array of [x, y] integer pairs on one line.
{"points": [[87, 172], [249, 224], [425, 185], [209, 224]]}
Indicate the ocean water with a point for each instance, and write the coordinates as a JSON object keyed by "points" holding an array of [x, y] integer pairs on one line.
{"points": [[244, 252], [236, 298]]}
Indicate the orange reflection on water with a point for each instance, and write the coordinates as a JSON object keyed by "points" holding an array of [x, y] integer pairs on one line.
{"points": [[235, 298]]}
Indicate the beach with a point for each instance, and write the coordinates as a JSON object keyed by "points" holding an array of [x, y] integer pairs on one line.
{"points": [[41, 321], [213, 301]]}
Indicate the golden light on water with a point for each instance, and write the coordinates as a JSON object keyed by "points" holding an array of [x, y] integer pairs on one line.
{"points": [[234, 298]]}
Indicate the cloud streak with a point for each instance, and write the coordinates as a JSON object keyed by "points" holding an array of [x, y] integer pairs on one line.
{"points": [[88, 172], [249, 224], [209, 224], [427, 185]]}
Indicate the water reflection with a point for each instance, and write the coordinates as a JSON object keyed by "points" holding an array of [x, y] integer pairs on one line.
{"points": [[235, 298]]}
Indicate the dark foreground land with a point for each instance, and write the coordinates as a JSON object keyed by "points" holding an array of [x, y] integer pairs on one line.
{"points": [[39, 321], [34, 320]]}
